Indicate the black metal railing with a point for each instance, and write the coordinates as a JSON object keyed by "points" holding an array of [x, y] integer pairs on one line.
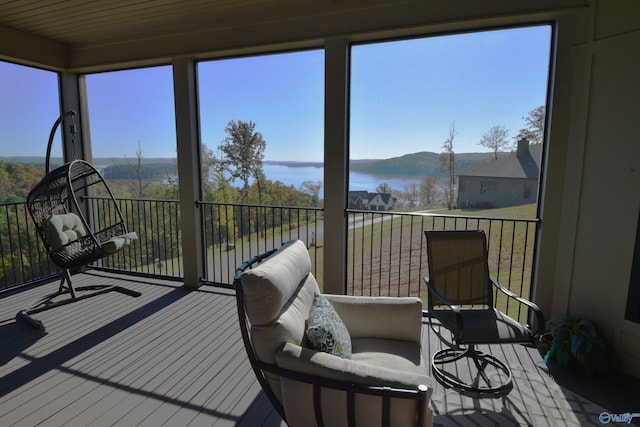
{"points": [[158, 250], [23, 259], [387, 252], [234, 233]]}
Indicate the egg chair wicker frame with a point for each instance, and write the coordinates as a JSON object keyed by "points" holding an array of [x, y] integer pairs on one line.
{"points": [[68, 190]]}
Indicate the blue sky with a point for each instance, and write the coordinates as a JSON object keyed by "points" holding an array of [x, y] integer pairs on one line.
{"points": [[404, 96]]}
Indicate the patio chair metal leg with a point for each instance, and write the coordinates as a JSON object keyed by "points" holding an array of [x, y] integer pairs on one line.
{"points": [[443, 364], [47, 303]]}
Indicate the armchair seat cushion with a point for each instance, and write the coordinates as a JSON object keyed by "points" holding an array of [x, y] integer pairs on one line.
{"points": [[392, 354], [366, 368], [360, 369]]}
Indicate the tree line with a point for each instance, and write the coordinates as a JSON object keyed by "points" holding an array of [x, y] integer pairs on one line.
{"points": [[239, 158]]}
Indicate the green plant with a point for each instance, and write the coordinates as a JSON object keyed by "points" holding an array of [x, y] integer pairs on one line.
{"points": [[579, 340]]}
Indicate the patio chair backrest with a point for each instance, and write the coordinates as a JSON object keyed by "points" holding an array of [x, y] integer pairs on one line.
{"points": [[458, 268]]}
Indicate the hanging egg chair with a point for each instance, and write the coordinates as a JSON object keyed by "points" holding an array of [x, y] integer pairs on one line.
{"points": [[59, 205]]}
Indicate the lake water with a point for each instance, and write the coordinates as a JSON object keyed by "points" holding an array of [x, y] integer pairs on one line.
{"points": [[357, 181], [295, 176]]}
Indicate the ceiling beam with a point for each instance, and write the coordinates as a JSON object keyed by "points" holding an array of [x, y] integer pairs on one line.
{"points": [[33, 50]]}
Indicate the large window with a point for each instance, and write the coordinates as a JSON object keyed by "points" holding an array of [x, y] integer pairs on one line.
{"points": [[262, 153], [279, 97], [431, 116], [28, 108], [133, 137], [451, 126], [133, 141]]}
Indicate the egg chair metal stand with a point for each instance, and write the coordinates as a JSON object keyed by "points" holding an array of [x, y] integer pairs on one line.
{"points": [[59, 206]]}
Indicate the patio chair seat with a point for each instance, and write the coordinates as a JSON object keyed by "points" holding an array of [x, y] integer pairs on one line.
{"points": [[483, 326]]}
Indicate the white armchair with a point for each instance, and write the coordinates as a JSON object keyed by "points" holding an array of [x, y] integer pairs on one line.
{"points": [[376, 376]]}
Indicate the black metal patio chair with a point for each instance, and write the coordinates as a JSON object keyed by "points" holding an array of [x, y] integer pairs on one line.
{"points": [[461, 298]]}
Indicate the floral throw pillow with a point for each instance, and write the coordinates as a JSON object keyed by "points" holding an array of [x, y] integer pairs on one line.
{"points": [[326, 331]]}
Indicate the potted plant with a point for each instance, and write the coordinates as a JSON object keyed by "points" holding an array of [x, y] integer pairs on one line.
{"points": [[572, 339]]}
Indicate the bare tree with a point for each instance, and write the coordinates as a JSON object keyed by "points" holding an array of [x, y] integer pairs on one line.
{"points": [[427, 191], [138, 167], [496, 138], [411, 195], [383, 188], [534, 131], [448, 163]]}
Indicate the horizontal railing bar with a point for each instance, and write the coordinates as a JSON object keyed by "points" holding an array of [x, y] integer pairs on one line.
{"points": [[439, 215], [130, 199], [306, 208]]}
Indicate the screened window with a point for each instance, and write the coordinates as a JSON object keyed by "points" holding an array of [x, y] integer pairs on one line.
{"points": [[29, 106], [262, 154], [133, 137], [279, 98], [446, 106], [133, 141], [427, 114]]}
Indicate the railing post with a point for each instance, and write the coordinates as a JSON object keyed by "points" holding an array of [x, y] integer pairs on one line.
{"points": [[185, 94], [336, 165]]}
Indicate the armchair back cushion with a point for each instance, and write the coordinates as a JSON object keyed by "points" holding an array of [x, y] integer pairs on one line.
{"points": [[278, 295]]}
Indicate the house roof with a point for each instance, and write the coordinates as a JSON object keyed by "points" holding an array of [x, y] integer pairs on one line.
{"points": [[359, 195], [365, 195], [385, 197], [525, 166]]}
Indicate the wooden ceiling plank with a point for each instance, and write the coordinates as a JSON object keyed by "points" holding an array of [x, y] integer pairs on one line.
{"points": [[172, 16], [86, 20]]}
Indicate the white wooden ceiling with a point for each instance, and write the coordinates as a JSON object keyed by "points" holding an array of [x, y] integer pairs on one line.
{"points": [[85, 35], [83, 22]]}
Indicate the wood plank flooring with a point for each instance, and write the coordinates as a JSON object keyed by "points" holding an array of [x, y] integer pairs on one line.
{"points": [[175, 357]]}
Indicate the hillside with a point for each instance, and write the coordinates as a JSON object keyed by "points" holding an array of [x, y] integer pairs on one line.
{"points": [[416, 164], [413, 165], [106, 161]]}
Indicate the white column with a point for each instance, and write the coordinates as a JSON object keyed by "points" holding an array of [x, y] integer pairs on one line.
{"points": [[336, 165], [188, 145], [73, 96]]}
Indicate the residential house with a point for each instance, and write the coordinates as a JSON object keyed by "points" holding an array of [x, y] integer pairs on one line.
{"points": [[359, 200], [381, 202], [507, 181], [363, 200]]}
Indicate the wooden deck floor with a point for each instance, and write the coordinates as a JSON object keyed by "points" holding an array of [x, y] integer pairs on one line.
{"points": [[175, 357]]}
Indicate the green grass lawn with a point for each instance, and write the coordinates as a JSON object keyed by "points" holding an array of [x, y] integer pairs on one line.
{"points": [[388, 256]]}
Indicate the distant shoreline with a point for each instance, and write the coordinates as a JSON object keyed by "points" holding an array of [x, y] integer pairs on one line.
{"points": [[294, 164], [125, 160], [414, 165]]}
